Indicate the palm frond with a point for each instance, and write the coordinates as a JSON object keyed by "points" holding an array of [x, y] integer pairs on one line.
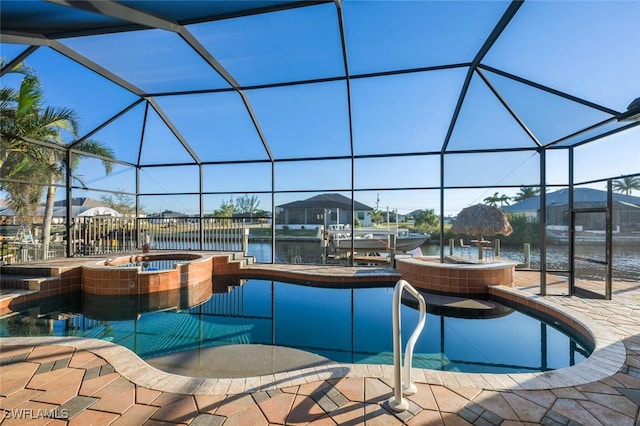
{"points": [[92, 146], [29, 96]]}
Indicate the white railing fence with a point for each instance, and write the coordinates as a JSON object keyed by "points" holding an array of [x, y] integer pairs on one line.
{"points": [[193, 233], [106, 235], [102, 235]]}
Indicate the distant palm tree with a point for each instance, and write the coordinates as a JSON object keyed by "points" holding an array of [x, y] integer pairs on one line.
{"points": [[427, 219], [226, 209], [377, 216], [496, 199], [525, 193], [627, 185]]}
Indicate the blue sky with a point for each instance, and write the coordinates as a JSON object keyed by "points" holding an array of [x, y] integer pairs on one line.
{"points": [[581, 48]]}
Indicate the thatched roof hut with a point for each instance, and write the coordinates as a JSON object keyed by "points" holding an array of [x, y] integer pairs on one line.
{"points": [[481, 220]]}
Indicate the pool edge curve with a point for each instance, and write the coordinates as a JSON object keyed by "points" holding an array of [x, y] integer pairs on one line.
{"points": [[607, 359]]}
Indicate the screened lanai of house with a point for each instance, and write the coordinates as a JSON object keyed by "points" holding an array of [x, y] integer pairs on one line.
{"points": [[400, 105]]}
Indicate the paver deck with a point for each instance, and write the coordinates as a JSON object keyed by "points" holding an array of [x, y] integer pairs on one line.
{"points": [[57, 381]]}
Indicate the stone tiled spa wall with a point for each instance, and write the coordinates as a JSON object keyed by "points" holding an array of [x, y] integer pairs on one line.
{"points": [[113, 281], [118, 281], [463, 279]]}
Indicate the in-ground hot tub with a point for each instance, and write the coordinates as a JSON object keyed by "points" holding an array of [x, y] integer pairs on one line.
{"points": [[428, 273], [128, 275]]}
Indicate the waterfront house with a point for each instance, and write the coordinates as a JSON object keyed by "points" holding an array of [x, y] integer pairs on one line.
{"points": [[626, 210], [309, 213]]}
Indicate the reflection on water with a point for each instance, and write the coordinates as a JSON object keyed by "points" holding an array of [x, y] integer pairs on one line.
{"points": [[626, 257], [151, 265], [345, 324]]}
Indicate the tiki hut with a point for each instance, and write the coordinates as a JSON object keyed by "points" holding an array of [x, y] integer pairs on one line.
{"points": [[481, 220]]}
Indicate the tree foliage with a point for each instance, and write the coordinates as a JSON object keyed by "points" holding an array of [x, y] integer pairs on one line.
{"points": [[525, 230], [627, 185], [247, 204], [427, 220], [225, 210], [30, 168], [377, 216], [525, 193], [496, 199], [122, 203]]}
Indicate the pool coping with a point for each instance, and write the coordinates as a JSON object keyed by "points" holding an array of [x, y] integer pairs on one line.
{"points": [[607, 359]]}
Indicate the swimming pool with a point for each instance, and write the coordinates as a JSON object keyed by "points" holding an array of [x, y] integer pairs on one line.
{"points": [[343, 324]]}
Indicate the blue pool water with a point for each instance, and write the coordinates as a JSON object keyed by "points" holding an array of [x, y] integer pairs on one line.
{"points": [[343, 324], [151, 265]]}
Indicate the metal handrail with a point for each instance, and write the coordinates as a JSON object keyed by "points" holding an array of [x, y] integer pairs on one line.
{"points": [[402, 375]]}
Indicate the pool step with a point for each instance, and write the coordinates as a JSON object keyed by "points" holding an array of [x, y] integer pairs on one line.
{"points": [[23, 282], [38, 271], [244, 260], [21, 278], [231, 263]]}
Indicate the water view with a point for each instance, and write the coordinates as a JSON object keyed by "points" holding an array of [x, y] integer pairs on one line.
{"points": [[626, 258]]}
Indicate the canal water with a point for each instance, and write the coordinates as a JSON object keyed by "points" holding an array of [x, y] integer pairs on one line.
{"points": [[626, 257]]}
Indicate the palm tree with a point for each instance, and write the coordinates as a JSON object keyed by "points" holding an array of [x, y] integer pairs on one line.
{"points": [[57, 165], [14, 106], [525, 193], [19, 161], [377, 216], [427, 219], [23, 115], [226, 209], [496, 199], [626, 185], [23, 198]]}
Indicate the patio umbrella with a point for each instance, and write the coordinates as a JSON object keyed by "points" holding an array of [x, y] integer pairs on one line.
{"points": [[481, 220]]}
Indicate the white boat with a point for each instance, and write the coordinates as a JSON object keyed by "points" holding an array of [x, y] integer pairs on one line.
{"points": [[373, 240]]}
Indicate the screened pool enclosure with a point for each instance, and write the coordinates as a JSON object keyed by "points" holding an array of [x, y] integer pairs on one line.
{"points": [[400, 106]]}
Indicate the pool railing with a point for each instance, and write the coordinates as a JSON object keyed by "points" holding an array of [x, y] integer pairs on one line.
{"points": [[402, 374]]}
